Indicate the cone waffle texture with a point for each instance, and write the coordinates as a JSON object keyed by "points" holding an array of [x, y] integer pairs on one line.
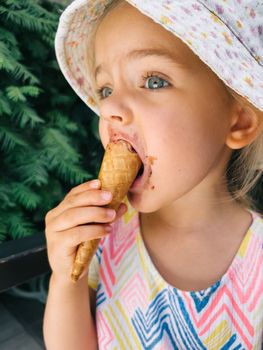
{"points": [[119, 168]]}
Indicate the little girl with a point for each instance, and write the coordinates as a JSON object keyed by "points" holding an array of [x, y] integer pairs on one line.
{"points": [[179, 266]]}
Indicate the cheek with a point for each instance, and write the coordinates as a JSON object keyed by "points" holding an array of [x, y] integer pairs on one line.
{"points": [[188, 145], [103, 132]]}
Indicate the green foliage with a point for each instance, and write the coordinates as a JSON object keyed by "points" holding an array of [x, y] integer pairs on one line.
{"points": [[48, 137]]}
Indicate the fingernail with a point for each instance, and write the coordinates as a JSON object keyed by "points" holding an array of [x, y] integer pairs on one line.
{"points": [[108, 228], [95, 183]]}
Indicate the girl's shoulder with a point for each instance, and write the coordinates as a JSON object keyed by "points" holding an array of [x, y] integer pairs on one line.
{"points": [[257, 224], [251, 249]]}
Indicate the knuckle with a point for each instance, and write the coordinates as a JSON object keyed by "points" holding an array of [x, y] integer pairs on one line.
{"points": [[48, 215], [105, 214], [99, 214], [70, 193], [71, 200], [67, 217]]}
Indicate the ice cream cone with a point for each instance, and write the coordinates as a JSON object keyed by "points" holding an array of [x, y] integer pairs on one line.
{"points": [[119, 168]]}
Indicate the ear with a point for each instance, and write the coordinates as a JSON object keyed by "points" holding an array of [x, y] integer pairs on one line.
{"points": [[245, 126]]}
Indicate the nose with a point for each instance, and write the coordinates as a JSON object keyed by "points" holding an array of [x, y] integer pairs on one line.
{"points": [[116, 110]]}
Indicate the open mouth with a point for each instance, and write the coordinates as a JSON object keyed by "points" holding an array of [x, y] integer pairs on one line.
{"points": [[131, 149], [140, 172], [145, 169]]}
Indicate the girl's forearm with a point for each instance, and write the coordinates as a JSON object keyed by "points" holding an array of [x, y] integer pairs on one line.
{"points": [[68, 323]]}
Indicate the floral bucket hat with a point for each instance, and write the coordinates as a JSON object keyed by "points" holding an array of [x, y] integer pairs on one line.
{"points": [[227, 35]]}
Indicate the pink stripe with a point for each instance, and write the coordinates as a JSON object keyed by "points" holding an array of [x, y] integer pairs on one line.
{"points": [[257, 296], [238, 311], [104, 333], [103, 277], [206, 314], [125, 241], [135, 287], [217, 315], [210, 308], [124, 249], [108, 267], [243, 297]]}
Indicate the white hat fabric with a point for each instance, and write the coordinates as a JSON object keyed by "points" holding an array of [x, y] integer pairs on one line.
{"points": [[227, 35]]}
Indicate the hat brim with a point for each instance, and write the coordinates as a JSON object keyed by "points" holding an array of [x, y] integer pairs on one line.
{"points": [[243, 72]]}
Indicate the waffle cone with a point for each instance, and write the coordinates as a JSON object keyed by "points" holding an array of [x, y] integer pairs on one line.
{"points": [[119, 168]]}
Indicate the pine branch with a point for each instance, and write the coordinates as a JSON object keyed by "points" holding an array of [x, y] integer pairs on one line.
{"points": [[14, 93], [26, 116], [18, 226], [30, 167], [17, 93], [19, 71], [30, 90], [8, 38], [25, 196], [58, 145], [40, 166], [61, 121], [7, 63], [71, 173], [5, 107], [26, 18], [6, 199], [10, 138]]}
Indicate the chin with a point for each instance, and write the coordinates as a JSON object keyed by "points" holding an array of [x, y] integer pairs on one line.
{"points": [[143, 203]]}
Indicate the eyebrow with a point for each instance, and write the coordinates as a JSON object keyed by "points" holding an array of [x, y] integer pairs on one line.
{"points": [[142, 53]]}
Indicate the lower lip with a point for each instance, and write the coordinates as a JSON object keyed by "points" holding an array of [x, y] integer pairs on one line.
{"points": [[140, 182]]}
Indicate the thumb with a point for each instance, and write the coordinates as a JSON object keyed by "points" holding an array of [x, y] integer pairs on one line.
{"points": [[122, 210]]}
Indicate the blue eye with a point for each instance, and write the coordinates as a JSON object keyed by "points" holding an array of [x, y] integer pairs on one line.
{"points": [[102, 94], [151, 80], [155, 82]]}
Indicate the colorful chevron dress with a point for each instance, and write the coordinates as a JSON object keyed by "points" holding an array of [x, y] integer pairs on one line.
{"points": [[136, 309]]}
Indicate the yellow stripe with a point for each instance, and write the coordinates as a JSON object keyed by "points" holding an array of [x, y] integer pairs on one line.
{"points": [[116, 334], [130, 213], [122, 277], [113, 315], [212, 341], [243, 247], [158, 283], [131, 330]]}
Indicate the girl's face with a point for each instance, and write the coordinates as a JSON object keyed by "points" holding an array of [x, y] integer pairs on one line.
{"points": [[167, 102]]}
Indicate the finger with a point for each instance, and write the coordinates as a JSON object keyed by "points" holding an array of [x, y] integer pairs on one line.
{"points": [[79, 216], [82, 199], [122, 210], [73, 237], [89, 185]]}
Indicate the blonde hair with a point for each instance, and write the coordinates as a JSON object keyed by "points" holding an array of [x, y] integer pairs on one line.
{"points": [[245, 166]]}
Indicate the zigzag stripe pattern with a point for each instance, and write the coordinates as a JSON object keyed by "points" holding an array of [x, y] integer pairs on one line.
{"points": [[138, 309]]}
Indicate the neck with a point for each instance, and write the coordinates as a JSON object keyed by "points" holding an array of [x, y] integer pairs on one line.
{"points": [[195, 213]]}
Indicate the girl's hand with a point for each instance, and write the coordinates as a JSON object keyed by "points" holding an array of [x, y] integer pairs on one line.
{"points": [[79, 217]]}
